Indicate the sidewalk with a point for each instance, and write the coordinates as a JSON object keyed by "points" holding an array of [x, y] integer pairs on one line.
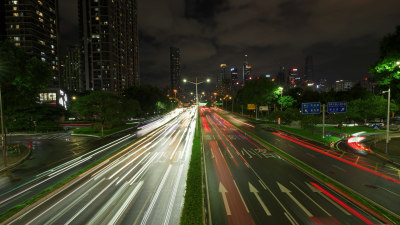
{"points": [[393, 149], [14, 158]]}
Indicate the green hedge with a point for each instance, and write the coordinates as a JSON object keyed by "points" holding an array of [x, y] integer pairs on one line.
{"points": [[193, 206]]}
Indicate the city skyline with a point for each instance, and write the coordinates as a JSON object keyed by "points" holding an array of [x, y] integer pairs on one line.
{"points": [[342, 37]]}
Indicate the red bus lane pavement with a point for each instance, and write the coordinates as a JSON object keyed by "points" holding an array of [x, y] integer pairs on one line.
{"points": [[235, 208]]}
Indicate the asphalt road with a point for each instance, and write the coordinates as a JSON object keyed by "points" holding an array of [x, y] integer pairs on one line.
{"points": [[246, 183], [58, 156], [374, 179], [143, 184]]}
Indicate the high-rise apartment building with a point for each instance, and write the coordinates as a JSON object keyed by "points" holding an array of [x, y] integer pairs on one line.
{"points": [[33, 26], [175, 60], [71, 70], [109, 53], [343, 85], [221, 76]]}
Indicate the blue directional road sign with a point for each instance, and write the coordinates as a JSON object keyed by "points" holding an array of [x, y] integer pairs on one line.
{"points": [[337, 107], [311, 108]]}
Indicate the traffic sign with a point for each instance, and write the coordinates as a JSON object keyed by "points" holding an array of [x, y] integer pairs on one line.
{"points": [[337, 107], [311, 108]]}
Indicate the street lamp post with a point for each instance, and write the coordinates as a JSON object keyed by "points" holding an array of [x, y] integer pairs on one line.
{"points": [[387, 120], [196, 83], [281, 88], [3, 133]]}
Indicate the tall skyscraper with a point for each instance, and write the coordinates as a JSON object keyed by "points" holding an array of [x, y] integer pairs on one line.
{"points": [[109, 35], [234, 76], [33, 26], [309, 69], [175, 58], [221, 79], [246, 69]]}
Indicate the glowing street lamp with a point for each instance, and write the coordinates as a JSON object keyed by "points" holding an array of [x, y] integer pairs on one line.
{"points": [[196, 83]]}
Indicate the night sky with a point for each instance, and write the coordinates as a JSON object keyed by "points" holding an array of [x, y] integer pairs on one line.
{"points": [[341, 35]]}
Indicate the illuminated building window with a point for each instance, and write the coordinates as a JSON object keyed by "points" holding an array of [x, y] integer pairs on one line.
{"points": [[15, 14], [40, 2], [17, 44], [41, 19], [17, 38], [15, 8], [15, 2], [17, 26], [43, 59], [42, 42], [97, 18]]}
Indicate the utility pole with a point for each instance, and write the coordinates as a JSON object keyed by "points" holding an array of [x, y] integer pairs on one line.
{"points": [[3, 133], [387, 121], [323, 120]]}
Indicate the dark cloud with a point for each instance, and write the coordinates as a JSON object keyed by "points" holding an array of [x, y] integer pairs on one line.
{"points": [[342, 35]]}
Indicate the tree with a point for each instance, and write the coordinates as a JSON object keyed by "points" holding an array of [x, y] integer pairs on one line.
{"points": [[387, 69], [21, 77], [258, 91], [368, 109], [101, 106], [148, 97], [286, 101]]}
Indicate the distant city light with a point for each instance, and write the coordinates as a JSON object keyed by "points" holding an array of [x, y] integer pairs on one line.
{"points": [[268, 75]]}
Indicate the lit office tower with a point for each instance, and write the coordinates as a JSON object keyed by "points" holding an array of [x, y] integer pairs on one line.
{"points": [[109, 44], [234, 77], [221, 79], [309, 69], [33, 26], [175, 58], [246, 70]]}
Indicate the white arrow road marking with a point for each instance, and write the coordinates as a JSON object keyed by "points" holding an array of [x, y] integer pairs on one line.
{"points": [[311, 199], [223, 191], [247, 153], [287, 191], [287, 213], [255, 192], [328, 199]]}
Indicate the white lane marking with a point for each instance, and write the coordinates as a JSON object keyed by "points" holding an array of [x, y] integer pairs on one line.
{"points": [[223, 192], [144, 168], [59, 201], [241, 197], [311, 155], [255, 192], [398, 195], [291, 219], [90, 202], [288, 192], [173, 140], [173, 196], [262, 184], [155, 197], [102, 211], [126, 165], [117, 216], [337, 167], [328, 199], [137, 164], [327, 213]]}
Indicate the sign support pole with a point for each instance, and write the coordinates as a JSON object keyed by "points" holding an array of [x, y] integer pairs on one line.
{"points": [[323, 120]]}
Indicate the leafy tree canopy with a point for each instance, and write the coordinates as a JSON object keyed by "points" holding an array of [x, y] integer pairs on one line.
{"points": [[259, 92]]}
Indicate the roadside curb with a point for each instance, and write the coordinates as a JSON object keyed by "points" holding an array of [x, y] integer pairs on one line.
{"points": [[383, 157], [18, 162]]}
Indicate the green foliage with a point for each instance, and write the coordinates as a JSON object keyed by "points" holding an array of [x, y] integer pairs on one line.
{"points": [[260, 92], [287, 116], [151, 98], [309, 121], [369, 109], [286, 101], [21, 77], [192, 212]]}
